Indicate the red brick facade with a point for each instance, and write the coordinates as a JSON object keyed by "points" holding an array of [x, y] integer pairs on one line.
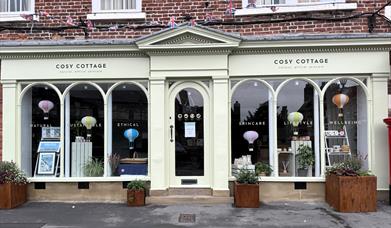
{"points": [[158, 13]]}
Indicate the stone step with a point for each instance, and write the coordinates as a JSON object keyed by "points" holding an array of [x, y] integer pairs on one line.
{"points": [[190, 191], [188, 199]]}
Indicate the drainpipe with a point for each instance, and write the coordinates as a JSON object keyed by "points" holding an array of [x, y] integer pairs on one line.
{"points": [[388, 122]]}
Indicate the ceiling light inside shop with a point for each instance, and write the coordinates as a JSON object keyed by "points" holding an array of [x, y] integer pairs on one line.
{"points": [[255, 84], [297, 83]]}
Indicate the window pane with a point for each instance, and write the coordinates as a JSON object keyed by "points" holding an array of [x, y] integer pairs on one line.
{"points": [[250, 106], [40, 123], [118, 4], [129, 130], [345, 116], [25, 5], [86, 132], [4, 6], [105, 4], [297, 139]]}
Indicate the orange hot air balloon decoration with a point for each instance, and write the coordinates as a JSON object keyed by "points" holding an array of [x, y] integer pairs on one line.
{"points": [[340, 100]]}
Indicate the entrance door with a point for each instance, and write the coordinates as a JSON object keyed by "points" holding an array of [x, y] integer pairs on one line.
{"points": [[189, 135]]}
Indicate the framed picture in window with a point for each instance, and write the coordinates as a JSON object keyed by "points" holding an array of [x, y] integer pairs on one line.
{"points": [[49, 146], [46, 163]]}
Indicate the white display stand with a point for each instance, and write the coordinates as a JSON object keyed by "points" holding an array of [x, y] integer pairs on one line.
{"points": [[81, 153], [332, 140]]}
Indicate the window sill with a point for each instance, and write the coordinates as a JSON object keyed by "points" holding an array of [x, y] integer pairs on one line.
{"points": [[295, 9], [286, 179], [15, 17], [115, 16], [89, 179]]}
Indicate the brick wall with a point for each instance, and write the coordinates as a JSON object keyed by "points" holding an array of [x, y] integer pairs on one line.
{"points": [[159, 11]]}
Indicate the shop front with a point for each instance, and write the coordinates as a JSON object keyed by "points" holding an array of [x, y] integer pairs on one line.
{"points": [[185, 108]]}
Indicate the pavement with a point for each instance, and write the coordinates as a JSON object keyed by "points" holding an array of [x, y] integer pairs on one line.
{"points": [[273, 215]]}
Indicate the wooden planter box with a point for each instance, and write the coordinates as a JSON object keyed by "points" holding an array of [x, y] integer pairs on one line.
{"points": [[136, 198], [351, 194], [246, 195], [12, 195]]}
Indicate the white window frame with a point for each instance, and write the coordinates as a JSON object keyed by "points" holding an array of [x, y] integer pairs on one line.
{"points": [[98, 14], [293, 6], [15, 16]]}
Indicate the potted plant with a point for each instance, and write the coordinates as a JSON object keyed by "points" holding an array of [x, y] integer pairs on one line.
{"points": [[93, 168], [305, 160], [136, 193], [246, 193], [263, 169], [349, 188], [13, 185]]}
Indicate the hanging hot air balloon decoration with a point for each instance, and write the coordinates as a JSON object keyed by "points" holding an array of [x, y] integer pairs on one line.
{"points": [[295, 119], [340, 100], [131, 134], [45, 106], [88, 122], [250, 136]]}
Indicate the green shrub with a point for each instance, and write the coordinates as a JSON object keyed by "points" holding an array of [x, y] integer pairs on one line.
{"points": [[246, 176], [263, 167], [93, 168], [305, 156], [349, 167], [10, 173], [136, 185]]}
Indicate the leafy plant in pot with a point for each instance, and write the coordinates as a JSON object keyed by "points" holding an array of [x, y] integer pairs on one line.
{"points": [[349, 188], [305, 159], [93, 168], [136, 193], [246, 193], [13, 185], [263, 169]]}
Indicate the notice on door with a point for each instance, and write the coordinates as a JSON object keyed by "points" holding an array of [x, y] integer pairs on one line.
{"points": [[190, 129]]}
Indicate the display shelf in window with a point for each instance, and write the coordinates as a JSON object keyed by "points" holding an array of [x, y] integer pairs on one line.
{"points": [[337, 146]]}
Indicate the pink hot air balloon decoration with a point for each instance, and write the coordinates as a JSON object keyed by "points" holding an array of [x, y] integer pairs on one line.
{"points": [[45, 106], [250, 136]]}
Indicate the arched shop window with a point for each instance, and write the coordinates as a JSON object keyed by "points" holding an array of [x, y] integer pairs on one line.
{"points": [[84, 139], [128, 130], [345, 121], [298, 129], [40, 123], [251, 106]]}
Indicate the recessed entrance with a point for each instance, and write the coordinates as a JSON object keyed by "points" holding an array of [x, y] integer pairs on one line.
{"points": [[189, 137]]}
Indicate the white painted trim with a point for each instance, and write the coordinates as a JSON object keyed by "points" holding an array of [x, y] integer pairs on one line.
{"points": [[295, 9], [16, 17], [116, 15], [287, 179], [89, 179]]}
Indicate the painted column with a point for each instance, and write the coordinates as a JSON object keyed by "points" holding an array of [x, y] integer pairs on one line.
{"points": [[379, 157], [9, 121], [159, 178], [220, 142]]}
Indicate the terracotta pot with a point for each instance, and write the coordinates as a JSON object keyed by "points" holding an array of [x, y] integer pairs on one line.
{"points": [[351, 194], [246, 195], [12, 195], [136, 198]]}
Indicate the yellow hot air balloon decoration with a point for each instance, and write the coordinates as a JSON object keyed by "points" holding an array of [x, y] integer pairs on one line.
{"points": [[88, 122], [295, 119], [340, 100]]}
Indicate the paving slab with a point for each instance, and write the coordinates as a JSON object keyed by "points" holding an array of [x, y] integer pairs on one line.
{"points": [[273, 215]]}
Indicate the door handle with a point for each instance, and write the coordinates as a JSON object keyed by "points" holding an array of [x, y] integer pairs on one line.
{"points": [[171, 129]]}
